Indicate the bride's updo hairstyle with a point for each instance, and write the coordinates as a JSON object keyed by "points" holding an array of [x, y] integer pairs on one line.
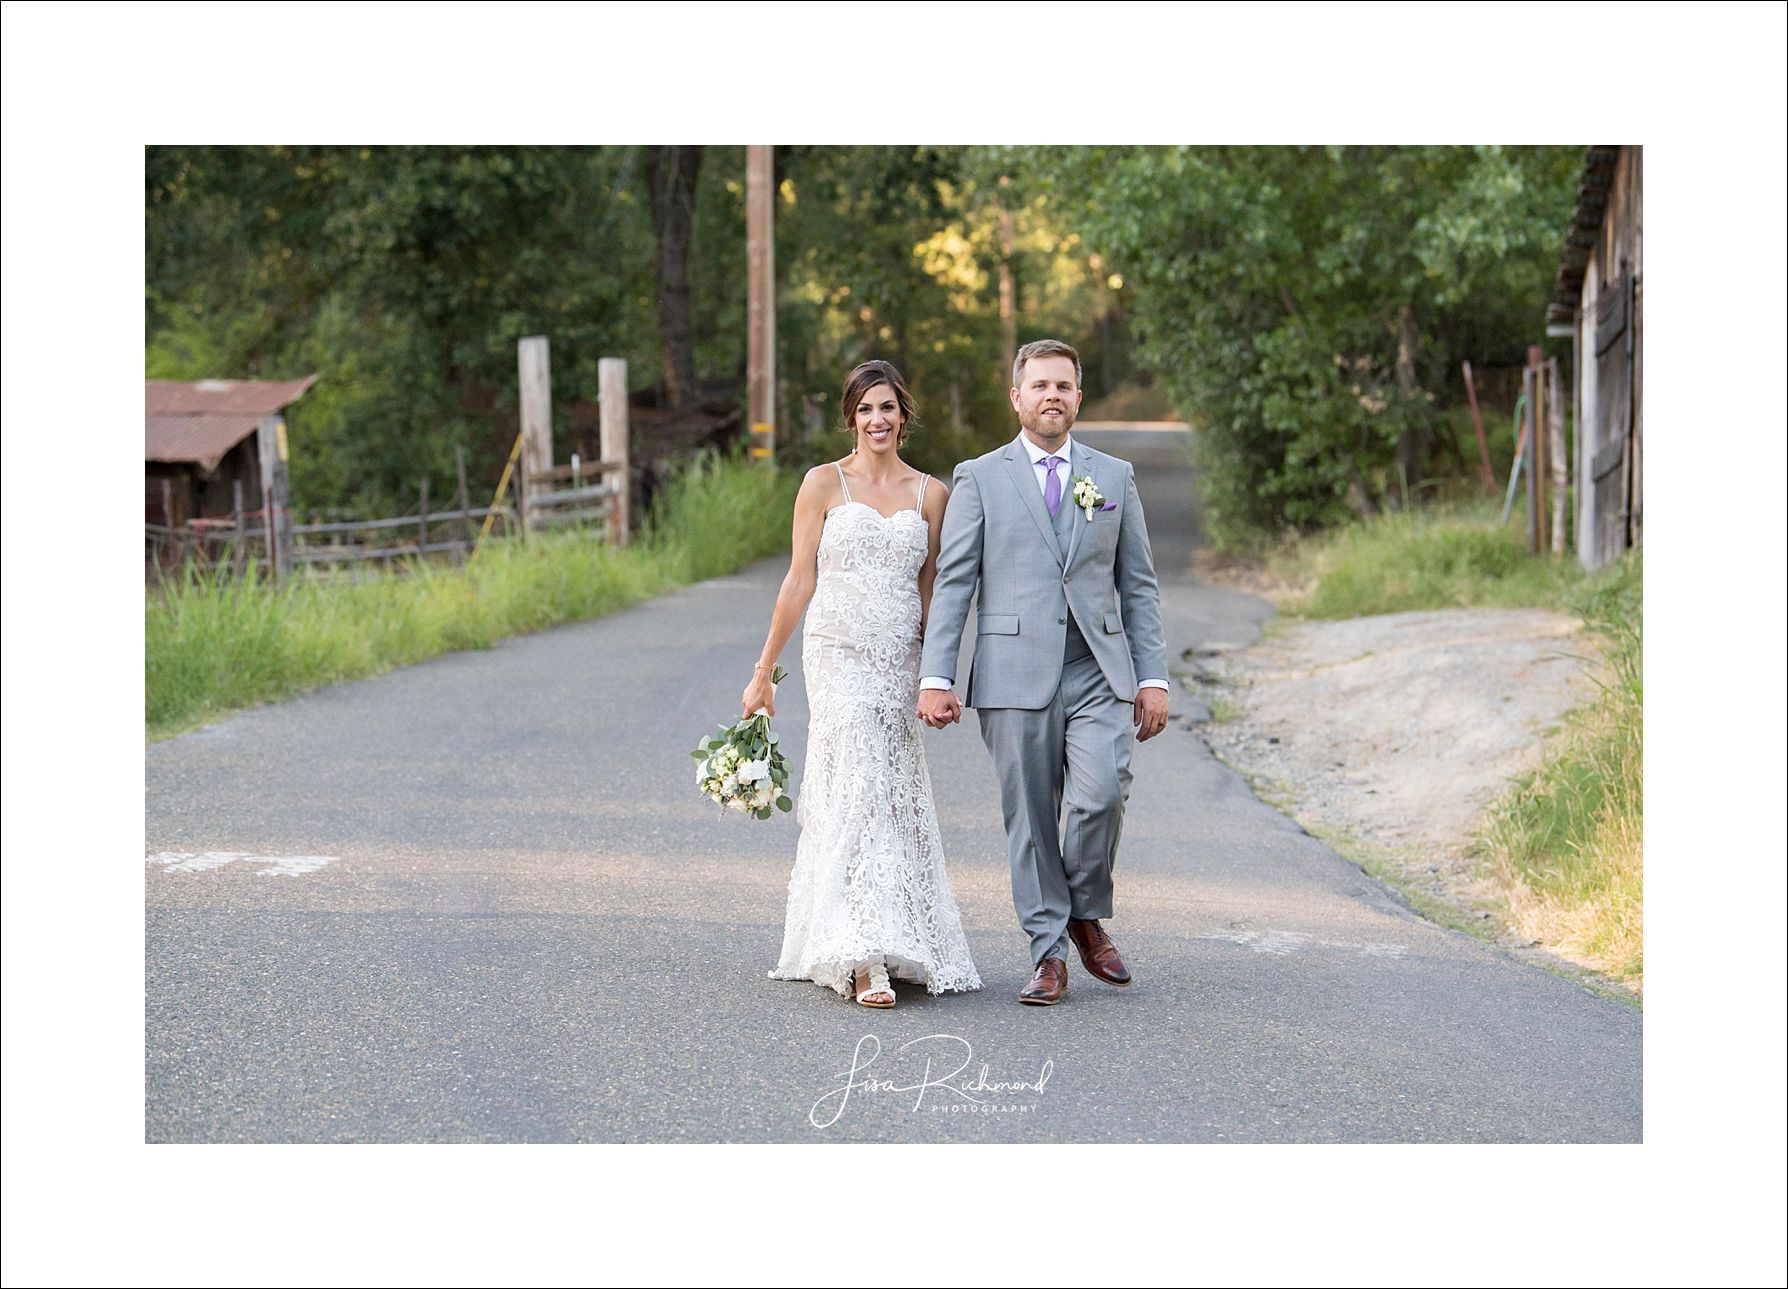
{"points": [[865, 377]]}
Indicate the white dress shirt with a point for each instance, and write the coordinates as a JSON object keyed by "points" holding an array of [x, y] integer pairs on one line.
{"points": [[1065, 454]]}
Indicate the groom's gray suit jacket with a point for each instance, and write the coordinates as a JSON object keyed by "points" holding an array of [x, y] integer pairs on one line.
{"points": [[998, 536]]}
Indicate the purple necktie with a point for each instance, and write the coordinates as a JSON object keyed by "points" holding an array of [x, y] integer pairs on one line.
{"points": [[1052, 490]]}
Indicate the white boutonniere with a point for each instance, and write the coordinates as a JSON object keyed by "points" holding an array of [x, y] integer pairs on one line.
{"points": [[1087, 496]]}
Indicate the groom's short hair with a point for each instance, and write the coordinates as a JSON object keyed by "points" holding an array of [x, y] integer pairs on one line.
{"points": [[1044, 349]]}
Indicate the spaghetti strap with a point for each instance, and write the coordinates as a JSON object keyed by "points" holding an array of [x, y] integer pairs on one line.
{"points": [[841, 482], [923, 480]]}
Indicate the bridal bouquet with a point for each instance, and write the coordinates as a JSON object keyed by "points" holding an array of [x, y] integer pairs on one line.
{"points": [[742, 767]]}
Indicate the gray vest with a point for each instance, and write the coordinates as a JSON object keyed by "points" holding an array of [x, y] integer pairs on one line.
{"points": [[1074, 646]]}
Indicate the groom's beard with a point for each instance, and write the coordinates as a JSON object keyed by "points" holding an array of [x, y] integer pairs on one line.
{"points": [[1052, 432]]}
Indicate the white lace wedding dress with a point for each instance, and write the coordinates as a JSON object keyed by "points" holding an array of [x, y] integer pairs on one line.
{"points": [[869, 874]]}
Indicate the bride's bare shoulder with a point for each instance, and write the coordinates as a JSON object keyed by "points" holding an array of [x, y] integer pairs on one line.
{"points": [[820, 483]]}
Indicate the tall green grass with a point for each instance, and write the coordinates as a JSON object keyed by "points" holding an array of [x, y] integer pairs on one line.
{"points": [[1567, 839], [216, 643], [1564, 844], [1453, 557]]}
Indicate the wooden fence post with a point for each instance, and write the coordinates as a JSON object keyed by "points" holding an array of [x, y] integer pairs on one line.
{"points": [[1477, 422], [237, 553], [1560, 457], [167, 513], [275, 491], [534, 366], [422, 525], [1533, 510], [1542, 468], [612, 440], [465, 497]]}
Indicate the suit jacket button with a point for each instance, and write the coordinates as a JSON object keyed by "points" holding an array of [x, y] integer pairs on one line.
{"points": [[1060, 621]]}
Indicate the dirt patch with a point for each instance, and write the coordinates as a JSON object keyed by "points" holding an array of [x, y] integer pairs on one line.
{"points": [[1389, 737]]}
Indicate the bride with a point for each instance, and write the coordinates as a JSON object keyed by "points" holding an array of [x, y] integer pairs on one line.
{"points": [[869, 899]]}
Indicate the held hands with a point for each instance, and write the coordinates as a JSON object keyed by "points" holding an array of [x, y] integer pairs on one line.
{"points": [[939, 707], [1149, 712], [759, 693]]}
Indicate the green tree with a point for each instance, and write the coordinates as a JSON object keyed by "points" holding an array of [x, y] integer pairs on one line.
{"points": [[1309, 305], [405, 276], [895, 253]]}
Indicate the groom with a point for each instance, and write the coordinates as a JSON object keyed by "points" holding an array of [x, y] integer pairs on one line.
{"points": [[1051, 534]]}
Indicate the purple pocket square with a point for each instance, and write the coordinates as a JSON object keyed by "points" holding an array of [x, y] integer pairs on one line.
{"points": [[1110, 505]]}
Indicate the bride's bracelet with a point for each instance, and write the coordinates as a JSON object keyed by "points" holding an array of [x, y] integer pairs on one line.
{"points": [[765, 666]]}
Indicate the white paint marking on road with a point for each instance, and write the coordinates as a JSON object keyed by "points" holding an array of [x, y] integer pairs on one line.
{"points": [[180, 861], [1279, 943], [1284, 943], [1385, 951]]}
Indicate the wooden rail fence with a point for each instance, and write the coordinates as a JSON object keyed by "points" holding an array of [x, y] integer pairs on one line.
{"points": [[545, 497]]}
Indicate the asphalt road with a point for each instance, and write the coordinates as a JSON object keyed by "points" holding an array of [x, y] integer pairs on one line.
{"points": [[479, 899]]}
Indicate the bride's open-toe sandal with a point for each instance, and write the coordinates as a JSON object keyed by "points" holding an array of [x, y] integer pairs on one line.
{"points": [[877, 992]]}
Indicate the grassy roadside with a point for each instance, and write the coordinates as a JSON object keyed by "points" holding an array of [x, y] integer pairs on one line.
{"points": [[214, 644], [1562, 849], [1566, 844], [1453, 558]]}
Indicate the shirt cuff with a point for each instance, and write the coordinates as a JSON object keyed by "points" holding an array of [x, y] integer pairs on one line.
{"points": [[1151, 684], [934, 682]]}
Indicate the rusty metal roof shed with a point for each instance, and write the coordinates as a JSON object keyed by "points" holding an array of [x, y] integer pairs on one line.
{"points": [[1585, 228], [202, 420]]}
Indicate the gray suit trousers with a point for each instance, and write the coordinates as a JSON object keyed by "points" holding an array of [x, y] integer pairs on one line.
{"points": [[1074, 753]]}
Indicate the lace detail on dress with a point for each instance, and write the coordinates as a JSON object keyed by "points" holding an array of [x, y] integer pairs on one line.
{"points": [[869, 865]]}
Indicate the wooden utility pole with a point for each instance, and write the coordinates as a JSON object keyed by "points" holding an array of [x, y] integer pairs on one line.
{"points": [[611, 386], [760, 302], [1008, 289], [276, 495], [535, 370]]}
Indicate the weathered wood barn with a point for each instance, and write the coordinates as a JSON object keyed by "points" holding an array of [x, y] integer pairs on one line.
{"points": [[1598, 300], [206, 436]]}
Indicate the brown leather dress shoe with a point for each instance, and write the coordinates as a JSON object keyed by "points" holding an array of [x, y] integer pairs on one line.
{"points": [[1048, 983], [1097, 953]]}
